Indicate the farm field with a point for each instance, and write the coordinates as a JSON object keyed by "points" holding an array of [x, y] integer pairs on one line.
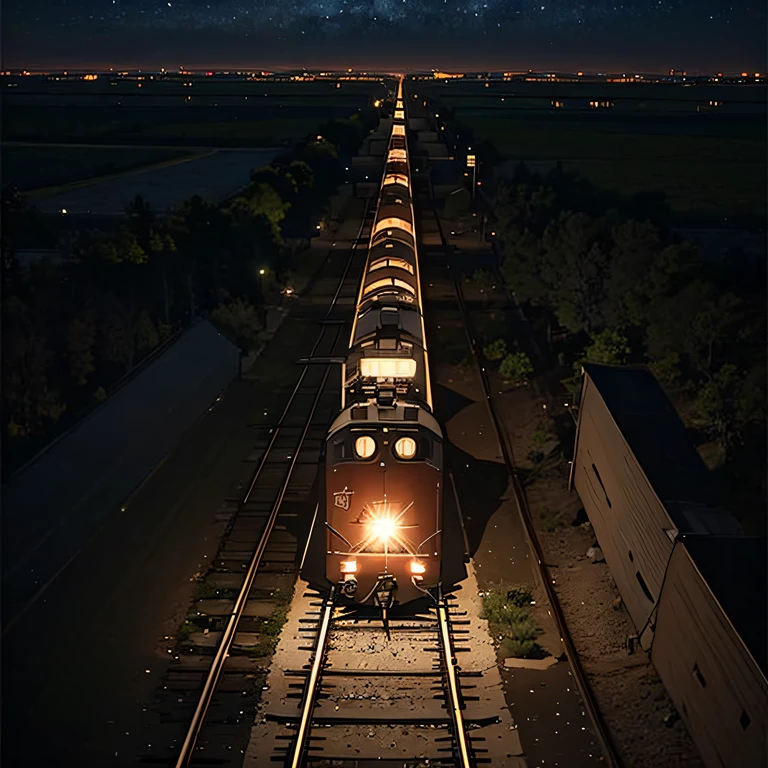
{"points": [[216, 114], [707, 164]]}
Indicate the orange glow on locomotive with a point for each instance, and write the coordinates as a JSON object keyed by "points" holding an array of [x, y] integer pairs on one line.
{"points": [[384, 450]]}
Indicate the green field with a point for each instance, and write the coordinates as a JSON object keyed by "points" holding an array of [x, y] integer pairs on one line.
{"points": [[699, 174], [708, 162], [36, 167], [206, 113]]}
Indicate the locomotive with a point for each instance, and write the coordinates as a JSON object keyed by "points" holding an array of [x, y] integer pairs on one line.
{"points": [[384, 450]]}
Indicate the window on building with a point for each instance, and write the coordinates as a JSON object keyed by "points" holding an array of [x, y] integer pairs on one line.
{"points": [[599, 480], [700, 679], [644, 586]]}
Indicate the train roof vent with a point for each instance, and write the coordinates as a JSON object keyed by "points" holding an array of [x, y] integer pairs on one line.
{"points": [[360, 414], [411, 414], [387, 398]]}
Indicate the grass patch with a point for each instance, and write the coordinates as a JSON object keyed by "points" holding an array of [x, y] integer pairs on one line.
{"points": [[507, 610], [206, 590], [550, 520], [271, 627]]}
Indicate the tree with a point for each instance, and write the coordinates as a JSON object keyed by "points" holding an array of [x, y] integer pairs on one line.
{"points": [[496, 350], [728, 402], [609, 347], [81, 338], [516, 367], [484, 281], [696, 324], [574, 267], [263, 200], [145, 334], [119, 342], [30, 403], [239, 321]]}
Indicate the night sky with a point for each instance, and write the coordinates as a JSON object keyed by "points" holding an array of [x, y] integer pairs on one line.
{"points": [[599, 35]]}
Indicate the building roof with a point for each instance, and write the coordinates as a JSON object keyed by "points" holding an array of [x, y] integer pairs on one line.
{"points": [[735, 570], [663, 448]]}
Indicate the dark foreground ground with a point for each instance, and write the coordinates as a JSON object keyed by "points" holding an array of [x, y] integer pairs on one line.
{"points": [[79, 664]]}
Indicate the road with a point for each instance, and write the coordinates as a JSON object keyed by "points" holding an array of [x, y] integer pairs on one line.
{"points": [[79, 666]]}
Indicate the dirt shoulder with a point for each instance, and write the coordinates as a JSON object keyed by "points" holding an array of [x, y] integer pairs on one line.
{"points": [[638, 712]]}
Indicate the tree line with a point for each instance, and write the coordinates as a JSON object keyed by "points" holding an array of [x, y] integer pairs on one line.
{"points": [[625, 289], [73, 327]]}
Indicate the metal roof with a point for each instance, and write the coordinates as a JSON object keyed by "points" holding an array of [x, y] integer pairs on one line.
{"points": [[663, 448]]}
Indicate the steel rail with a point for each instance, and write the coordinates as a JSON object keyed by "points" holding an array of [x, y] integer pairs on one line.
{"points": [[582, 683], [320, 336], [463, 749], [313, 680], [222, 652]]}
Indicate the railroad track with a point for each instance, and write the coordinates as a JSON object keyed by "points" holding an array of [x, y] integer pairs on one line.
{"points": [[600, 729], [210, 692], [407, 701]]}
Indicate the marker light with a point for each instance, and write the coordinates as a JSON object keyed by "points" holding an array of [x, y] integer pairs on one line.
{"points": [[417, 567], [365, 446], [384, 528], [405, 448], [349, 566]]}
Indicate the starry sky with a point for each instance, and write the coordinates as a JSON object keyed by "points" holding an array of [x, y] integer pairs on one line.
{"points": [[591, 35]]}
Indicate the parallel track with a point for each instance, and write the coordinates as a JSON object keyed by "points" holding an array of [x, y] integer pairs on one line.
{"points": [[251, 545], [585, 690]]}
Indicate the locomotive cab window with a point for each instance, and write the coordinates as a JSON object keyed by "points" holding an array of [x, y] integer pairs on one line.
{"points": [[405, 448], [365, 446]]}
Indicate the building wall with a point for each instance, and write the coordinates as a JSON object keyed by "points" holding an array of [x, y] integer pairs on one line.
{"points": [[708, 672], [629, 520], [52, 507]]}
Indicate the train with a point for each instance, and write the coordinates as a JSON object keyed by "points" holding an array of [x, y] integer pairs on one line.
{"points": [[384, 452]]}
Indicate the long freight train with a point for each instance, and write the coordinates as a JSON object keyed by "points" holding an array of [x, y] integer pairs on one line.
{"points": [[384, 451]]}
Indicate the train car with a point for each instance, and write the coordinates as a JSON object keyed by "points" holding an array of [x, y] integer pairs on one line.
{"points": [[384, 451]]}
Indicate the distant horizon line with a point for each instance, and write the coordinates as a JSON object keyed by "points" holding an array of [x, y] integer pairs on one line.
{"points": [[105, 69]]}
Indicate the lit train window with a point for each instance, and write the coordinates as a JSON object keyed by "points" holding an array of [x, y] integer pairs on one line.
{"points": [[405, 448], [398, 130], [397, 263], [387, 282], [365, 446], [389, 245], [395, 178], [391, 222]]}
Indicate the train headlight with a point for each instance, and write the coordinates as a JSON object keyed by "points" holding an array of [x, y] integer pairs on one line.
{"points": [[405, 448], [349, 566], [417, 568], [365, 446], [383, 528]]}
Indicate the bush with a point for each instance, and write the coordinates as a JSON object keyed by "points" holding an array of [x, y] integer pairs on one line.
{"points": [[516, 367], [508, 616], [239, 321], [496, 350]]}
